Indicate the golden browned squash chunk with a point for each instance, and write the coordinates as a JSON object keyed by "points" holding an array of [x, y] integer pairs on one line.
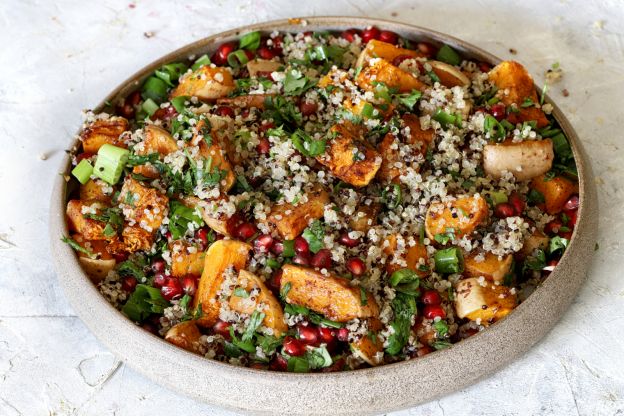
{"points": [[143, 205], [96, 268], [512, 78], [101, 132], [414, 256], [535, 241], [329, 295], [460, 216], [219, 222], [449, 75], [349, 157], [487, 265], [76, 221], [556, 191], [382, 71], [488, 303], [215, 155], [157, 140], [221, 255], [378, 49], [206, 83], [333, 77], [365, 216], [525, 160], [261, 67], [136, 238], [186, 259], [290, 220], [358, 109], [95, 190], [262, 300], [185, 335], [369, 347]]}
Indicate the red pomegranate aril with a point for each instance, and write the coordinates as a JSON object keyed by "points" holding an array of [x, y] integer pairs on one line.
{"points": [[189, 285], [572, 216], [388, 37], [293, 346], [337, 366], [220, 57], [250, 55], [422, 351], [572, 203], [172, 289], [504, 210], [129, 283], [84, 155], [264, 146], [134, 98], [275, 281], [125, 110], [277, 247], [565, 234], [498, 111], [262, 244], [279, 363], [326, 335], [342, 334], [222, 328], [159, 265], [168, 236], [225, 111], [484, 66], [369, 34], [301, 245], [308, 334], [517, 203], [399, 59], [347, 241], [553, 263], [356, 266], [166, 113], [431, 297], [322, 259], [246, 230], [159, 280], [349, 34], [302, 259], [426, 49], [553, 226], [202, 236], [120, 257], [434, 311], [265, 53], [307, 108]]}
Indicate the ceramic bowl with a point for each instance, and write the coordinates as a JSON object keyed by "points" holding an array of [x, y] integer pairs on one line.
{"points": [[365, 391]]}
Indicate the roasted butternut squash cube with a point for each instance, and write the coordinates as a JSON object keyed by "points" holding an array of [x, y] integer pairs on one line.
{"points": [[185, 335], [333, 77], [487, 265], [290, 220], [96, 268], [525, 160], [461, 216], [379, 49], [556, 191], [136, 238], [330, 295], [186, 259], [450, 76], [262, 300], [96, 190], [364, 217], [486, 301], [382, 71], [216, 220], [143, 205], [157, 140], [412, 257], [358, 109], [215, 155], [370, 348], [101, 132], [89, 228], [221, 256], [537, 240], [349, 157], [206, 83]]}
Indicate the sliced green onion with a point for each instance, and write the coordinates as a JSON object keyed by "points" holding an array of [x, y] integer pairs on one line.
{"points": [[448, 55], [250, 41], [149, 106], [170, 73], [83, 171], [289, 248], [443, 117], [449, 260], [155, 89], [201, 61], [367, 111], [272, 263], [237, 58], [410, 100], [110, 163], [403, 276], [179, 102]]}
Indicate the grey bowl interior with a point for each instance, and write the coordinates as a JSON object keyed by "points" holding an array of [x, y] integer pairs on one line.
{"points": [[366, 391]]}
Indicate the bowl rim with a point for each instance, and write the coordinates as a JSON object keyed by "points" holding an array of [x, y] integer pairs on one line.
{"points": [[453, 372]]}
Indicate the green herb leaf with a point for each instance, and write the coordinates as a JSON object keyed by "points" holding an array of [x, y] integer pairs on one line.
{"points": [[441, 328], [254, 323], [404, 307], [449, 260], [314, 236], [284, 291], [318, 358], [144, 301], [403, 276], [298, 365], [410, 100], [240, 292], [535, 197], [180, 216], [296, 83], [250, 41], [74, 244], [558, 244], [448, 55]]}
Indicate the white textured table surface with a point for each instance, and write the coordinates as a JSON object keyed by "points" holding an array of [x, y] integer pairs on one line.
{"points": [[59, 57]]}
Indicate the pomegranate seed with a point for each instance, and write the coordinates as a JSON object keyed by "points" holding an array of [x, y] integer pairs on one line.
{"points": [[337, 366], [134, 99], [349, 34], [232, 223], [553, 226], [302, 259], [572, 215], [345, 240], [326, 335], [426, 49], [202, 236], [484, 66], [307, 334], [126, 110], [388, 37], [222, 328], [121, 257], [277, 247], [245, 112], [275, 282], [264, 146], [293, 346], [399, 59], [279, 363], [504, 210], [84, 156], [265, 52], [498, 111], [342, 334], [307, 108], [572, 203], [220, 56], [265, 126], [263, 243], [301, 245], [322, 259], [356, 266], [159, 280], [422, 351], [189, 285], [129, 283], [434, 311], [369, 34], [166, 113], [225, 111], [567, 235], [431, 297], [277, 43], [250, 55], [168, 235], [246, 230], [158, 265], [517, 203], [172, 289]]}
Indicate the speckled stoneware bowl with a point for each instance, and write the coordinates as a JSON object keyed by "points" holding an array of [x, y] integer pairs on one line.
{"points": [[366, 391]]}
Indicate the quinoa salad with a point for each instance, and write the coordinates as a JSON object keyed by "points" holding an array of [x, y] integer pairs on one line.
{"points": [[318, 201]]}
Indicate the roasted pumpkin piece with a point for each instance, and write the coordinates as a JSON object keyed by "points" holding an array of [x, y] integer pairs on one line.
{"points": [[136, 238], [260, 298], [104, 131], [349, 157], [220, 256], [157, 140], [330, 295], [487, 265], [556, 191], [379, 49], [214, 155], [537, 240], [485, 301], [206, 83], [381, 71], [77, 220], [364, 217], [186, 259], [96, 190], [415, 257], [370, 347], [333, 77], [525, 160], [246, 101], [215, 219], [460, 216], [143, 205], [96, 268], [516, 86], [185, 335], [449, 75], [290, 220], [261, 67]]}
